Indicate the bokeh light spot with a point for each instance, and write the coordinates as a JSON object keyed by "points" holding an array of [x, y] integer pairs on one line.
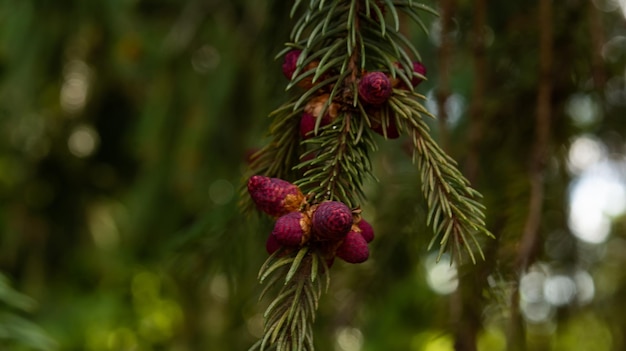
{"points": [[536, 312], [440, 343], [585, 152], [607, 5], [616, 91], [454, 105], [583, 110], [205, 59], [614, 48], [221, 191], [349, 339], [584, 286], [531, 286], [559, 290], [83, 141], [491, 339], [585, 332], [441, 276], [219, 287], [254, 325], [122, 339], [75, 86], [103, 228], [596, 197]]}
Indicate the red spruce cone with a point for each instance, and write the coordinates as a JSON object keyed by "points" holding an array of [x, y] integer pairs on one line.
{"points": [[332, 220], [307, 125], [375, 88], [313, 109], [292, 229], [316, 104], [392, 129], [418, 67], [274, 196], [307, 83], [271, 245], [354, 248], [290, 63], [327, 250], [366, 230]]}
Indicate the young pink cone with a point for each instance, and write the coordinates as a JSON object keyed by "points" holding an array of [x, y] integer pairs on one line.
{"points": [[313, 109], [418, 67], [375, 88], [354, 248], [332, 220], [292, 229], [274, 196], [366, 230], [272, 245], [392, 129], [290, 63], [307, 125]]}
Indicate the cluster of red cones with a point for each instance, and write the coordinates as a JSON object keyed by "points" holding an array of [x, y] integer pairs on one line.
{"points": [[331, 227], [374, 89]]}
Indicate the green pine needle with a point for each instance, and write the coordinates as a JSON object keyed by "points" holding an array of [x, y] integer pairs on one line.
{"points": [[457, 218], [289, 317]]}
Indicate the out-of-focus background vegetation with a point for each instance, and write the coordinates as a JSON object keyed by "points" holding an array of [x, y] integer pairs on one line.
{"points": [[125, 126]]}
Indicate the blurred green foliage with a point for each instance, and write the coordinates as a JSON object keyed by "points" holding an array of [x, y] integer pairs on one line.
{"points": [[124, 131]]}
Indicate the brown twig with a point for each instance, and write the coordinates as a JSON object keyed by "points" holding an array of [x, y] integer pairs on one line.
{"points": [[448, 8], [465, 303], [528, 248], [596, 32], [529, 245], [477, 107]]}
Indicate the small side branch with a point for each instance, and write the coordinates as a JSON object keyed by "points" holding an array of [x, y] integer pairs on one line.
{"points": [[453, 210], [289, 318]]}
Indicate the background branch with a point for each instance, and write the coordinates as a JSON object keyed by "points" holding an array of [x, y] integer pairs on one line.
{"points": [[466, 303], [529, 244], [444, 60], [477, 107], [596, 32]]}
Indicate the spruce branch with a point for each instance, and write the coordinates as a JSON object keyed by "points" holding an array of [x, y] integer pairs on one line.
{"points": [[290, 315], [341, 60], [278, 156], [453, 210], [339, 162]]}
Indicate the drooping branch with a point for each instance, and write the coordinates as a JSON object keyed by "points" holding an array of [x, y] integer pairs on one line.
{"points": [[290, 316], [356, 73], [453, 210]]}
